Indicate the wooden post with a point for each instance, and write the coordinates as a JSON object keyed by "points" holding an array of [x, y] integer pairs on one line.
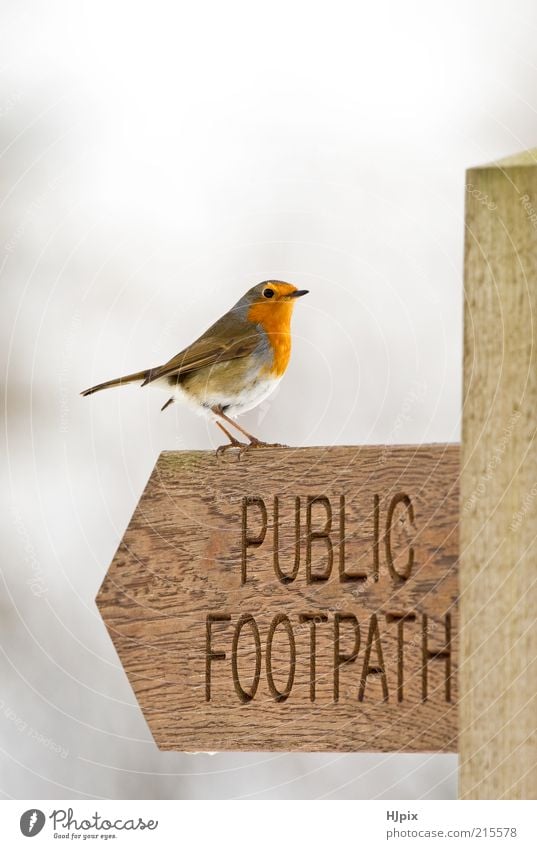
{"points": [[498, 546]]}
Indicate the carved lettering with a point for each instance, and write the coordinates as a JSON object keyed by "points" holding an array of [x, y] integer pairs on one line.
{"points": [[247, 538], [442, 654], [341, 659], [246, 695], [400, 498], [373, 635], [211, 655], [281, 695], [313, 619], [322, 535], [282, 576]]}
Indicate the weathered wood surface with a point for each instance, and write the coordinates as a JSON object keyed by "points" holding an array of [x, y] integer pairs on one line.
{"points": [[498, 680], [340, 633]]}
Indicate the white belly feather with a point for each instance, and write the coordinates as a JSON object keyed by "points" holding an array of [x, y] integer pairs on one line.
{"points": [[235, 405]]}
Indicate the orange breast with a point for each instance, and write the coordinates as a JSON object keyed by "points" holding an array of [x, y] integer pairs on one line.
{"points": [[275, 319]]}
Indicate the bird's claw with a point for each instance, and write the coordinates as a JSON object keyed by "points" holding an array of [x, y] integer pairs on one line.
{"points": [[257, 443], [242, 447], [239, 446]]}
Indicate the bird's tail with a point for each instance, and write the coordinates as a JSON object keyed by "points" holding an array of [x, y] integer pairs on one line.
{"points": [[118, 381]]}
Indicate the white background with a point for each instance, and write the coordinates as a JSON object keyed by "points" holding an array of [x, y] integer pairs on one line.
{"points": [[156, 161]]}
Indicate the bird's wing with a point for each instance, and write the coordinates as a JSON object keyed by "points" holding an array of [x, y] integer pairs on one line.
{"points": [[219, 344]]}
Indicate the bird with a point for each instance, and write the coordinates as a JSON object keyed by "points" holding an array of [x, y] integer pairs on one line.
{"points": [[233, 366]]}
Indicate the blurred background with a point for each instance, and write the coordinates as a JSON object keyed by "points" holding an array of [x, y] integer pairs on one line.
{"points": [[157, 159]]}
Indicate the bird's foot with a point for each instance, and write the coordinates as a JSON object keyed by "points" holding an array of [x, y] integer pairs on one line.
{"points": [[233, 442], [240, 448], [258, 443], [232, 445]]}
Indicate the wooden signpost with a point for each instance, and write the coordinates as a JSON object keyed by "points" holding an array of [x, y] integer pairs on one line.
{"points": [[307, 599], [298, 599]]}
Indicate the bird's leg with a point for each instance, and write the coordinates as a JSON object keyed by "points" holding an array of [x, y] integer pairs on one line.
{"points": [[254, 442], [233, 443]]}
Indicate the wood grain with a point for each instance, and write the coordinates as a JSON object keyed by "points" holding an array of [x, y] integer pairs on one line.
{"points": [[333, 628], [498, 724]]}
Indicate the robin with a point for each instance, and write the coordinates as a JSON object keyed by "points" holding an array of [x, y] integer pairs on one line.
{"points": [[234, 365]]}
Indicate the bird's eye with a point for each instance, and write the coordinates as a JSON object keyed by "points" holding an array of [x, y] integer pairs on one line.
{"points": [[268, 293]]}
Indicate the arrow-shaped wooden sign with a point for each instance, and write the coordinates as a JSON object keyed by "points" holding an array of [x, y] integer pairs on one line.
{"points": [[295, 599]]}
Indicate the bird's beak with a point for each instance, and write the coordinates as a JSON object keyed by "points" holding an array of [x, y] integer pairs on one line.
{"points": [[298, 293]]}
